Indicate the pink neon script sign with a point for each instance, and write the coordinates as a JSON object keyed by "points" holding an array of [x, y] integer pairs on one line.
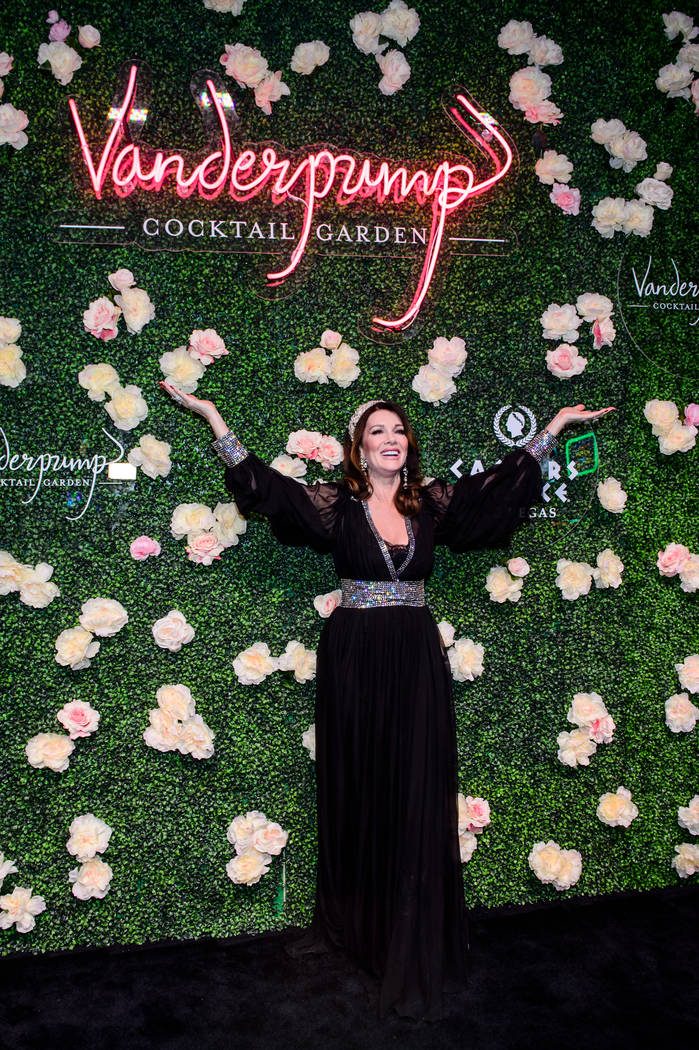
{"points": [[125, 167]]}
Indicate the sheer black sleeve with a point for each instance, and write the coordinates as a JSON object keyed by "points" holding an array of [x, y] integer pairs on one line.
{"points": [[483, 510], [299, 515]]}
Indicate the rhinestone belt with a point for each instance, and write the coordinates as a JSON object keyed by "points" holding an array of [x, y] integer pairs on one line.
{"points": [[378, 594]]}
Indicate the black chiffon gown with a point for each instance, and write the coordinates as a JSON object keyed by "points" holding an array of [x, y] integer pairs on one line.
{"points": [[389, 878]]}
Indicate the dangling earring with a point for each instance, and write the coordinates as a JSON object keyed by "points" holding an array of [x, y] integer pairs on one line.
{"points": [[405, 475], [363, 463]]}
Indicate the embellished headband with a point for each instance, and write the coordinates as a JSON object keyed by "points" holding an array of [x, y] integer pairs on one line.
{"points": [[359, 412]]}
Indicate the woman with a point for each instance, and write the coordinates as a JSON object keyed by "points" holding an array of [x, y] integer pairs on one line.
{"points": [[389, 880]]}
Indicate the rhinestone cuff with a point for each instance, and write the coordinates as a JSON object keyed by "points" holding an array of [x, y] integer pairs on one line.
{"points": [[231, 451], [541, 446], [378, 594]]}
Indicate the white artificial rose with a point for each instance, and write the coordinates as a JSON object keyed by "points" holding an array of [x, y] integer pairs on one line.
{"points": [[88, 836], [344, 365], [152, 456], [179, 367], [446, 632], [467, 845], [245, 64], [195, 738], [680, 713], [677, 23], [101, 318], [12, 124], [271, 838], [603, 333], [137, 308], [576, 747], [609, 569], [502, 587], [97, 379], [12, 368], [432, 385], [249, 867], [553, 167], [13, 574], [309, 741], [312, 366], [19, 909], [366, 28], [395, 69], [574, 578], [79, 718], [309, 56], [37, 590], [529, 86], [75, 648], [545, 52], [300, 660], [655, 192], [172, 631], [626, 150], [661, 415], [687, 860], [560, 322], [127, 408], [63, 59], [330, 340], [175, 699], [603, 131], [569, 870], [687, 817], [10, 329], [103, 616], [7, 867], [191, 517], [612, 496], [689, 54], [663, 171], [565, 361], [290, 467], [254, 664], [616, 809], [586, 709], [602, 729], [518, 567], [594, 307], [91, 879], [326, 604], [163, 733], [608, 215], [242, 828], [88, 36], [516, 37], [227, 7], [553, 865], [230, 524], [689, 575], [675, 79], [688, 671], [399, 22], [448, 356], [673, 559], [677, 438], [49, 751], [466, 659], [638, 218]]}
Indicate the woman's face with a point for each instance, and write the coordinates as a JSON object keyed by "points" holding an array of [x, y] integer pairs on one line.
{"points": [[384, 443]]}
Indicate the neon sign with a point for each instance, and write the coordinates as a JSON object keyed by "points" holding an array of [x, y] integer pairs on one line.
{"points": [[125, 167]]}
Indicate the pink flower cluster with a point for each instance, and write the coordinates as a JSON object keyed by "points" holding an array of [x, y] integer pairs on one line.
{"points": [[311, 444], [101, 318], [249, 68], [678, 560]]}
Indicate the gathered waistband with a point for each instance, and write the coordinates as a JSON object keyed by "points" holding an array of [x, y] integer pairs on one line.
{"points": [[379, 594]]}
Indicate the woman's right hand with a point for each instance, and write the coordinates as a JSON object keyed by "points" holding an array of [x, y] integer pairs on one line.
{"points": [[207, 409]]}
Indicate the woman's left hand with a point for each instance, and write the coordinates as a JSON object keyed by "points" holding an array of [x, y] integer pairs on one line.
{"points": [[575, 414]]}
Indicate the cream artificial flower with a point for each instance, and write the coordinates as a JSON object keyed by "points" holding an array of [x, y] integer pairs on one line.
{"points": [[103, 616], [689, 575], [553, 167], [446, 633], [290, 467], [230, 524], [586, 709], [545, 52], [576, 747], [661, 415], [594, 307], [10, 329], [687, 860], [502, 587], [553, 865], [97, 379], [687, 817], [228, 7], [680, 713], [163, 733], [242, 828], [12, 124], [12, 368], [7, 867], [88, 36], [366, 28], [675, 80], [172, 631], [37, 590], [677, 438], [49, 751], [565, 361], [466, 659], [19, 908], [529, 86], [249, 867], [656, 193], [75, 648], [191, 517], [560, 322], [309, 740], [638, 218], [88, 836], [574, 578], [663, 171], [91, 879], [608, 215], [325, 604], [448, 356], [399, 22], [245, 64], [13, 574], [677, 23], [344, 365], [196, 738], [626, 150], [254, 664], [62, 58], [271, 838], [180, 368], [175, 700], [152, 456], [309, 56], [516, 37], [270, 89], [612, 496], [127, 407], [137, 308], [395, 70], [467, 845], [616, 808], [312, 366], [608, 570], [689, 54], [688, 671], [300, 660], [432, 385]]}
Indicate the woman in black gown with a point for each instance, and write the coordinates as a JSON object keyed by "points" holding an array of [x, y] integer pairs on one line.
{"points": [[389, 879]]}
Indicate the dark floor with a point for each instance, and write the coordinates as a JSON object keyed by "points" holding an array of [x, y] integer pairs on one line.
{"points": [[619, 973]]}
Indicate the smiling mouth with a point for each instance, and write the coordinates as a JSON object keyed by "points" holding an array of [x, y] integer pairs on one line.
{"points": [[392, 453]]}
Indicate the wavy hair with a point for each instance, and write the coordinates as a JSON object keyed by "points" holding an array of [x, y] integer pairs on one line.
{"points": [[408, 499]]}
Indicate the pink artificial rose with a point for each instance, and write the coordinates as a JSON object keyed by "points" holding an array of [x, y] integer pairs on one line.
{"points": [[566, 198], [59, 30], [121, 279], [304, 443], [78, 718], [206, 345], [602, 729], [478, 813], [329, 452], [270, 89], [100, 318], [603, 332], [204, 548], [6, 62], [142, 547], [542, 111], [52, 17], [691, 415], [330, 340], [673, 559], [695, 95]]}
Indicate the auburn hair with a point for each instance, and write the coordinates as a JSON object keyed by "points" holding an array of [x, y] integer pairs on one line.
{"points": [[407, 499]]}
